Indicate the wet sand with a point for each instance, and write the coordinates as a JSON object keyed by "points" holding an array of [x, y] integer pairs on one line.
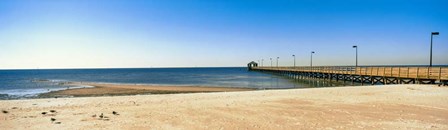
{"points": [[362, 107], [130, 89]]}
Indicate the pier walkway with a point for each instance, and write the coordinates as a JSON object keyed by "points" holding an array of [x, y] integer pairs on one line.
{"points": [[366, 74]]}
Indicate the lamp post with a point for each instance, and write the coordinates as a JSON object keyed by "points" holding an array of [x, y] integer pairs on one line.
{"points": [[430, 51], [356, 47], [277, 61], [262, 60], [294, 60], [271, 62], [312, 52]]}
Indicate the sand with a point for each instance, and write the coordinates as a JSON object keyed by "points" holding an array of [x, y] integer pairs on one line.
{"points": [[361, 107], [102, 89]]}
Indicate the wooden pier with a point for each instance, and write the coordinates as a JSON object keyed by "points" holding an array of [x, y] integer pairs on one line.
{"points": [[365, 74]]}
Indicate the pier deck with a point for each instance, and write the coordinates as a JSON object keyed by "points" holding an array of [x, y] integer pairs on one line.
{"points": [[367, 74]]}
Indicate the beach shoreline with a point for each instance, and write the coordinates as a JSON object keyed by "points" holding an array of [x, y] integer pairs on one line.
{"points": [[357, 107], [108, 89]]}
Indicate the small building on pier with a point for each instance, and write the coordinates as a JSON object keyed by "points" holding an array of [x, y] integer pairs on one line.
{"points": [[252, 64]]}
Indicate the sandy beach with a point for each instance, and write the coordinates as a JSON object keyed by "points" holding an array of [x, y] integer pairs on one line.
{"points": [[103, 89], [359, 107]]}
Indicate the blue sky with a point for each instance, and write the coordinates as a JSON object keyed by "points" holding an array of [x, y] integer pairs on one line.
{"points": [[189, 33]]}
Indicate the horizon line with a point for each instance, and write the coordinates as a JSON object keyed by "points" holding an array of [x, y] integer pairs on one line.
{"points": [[438, 65], [119, 68]]}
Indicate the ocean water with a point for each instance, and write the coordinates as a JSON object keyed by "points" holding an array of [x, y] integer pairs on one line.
{"points": [[16, 84]]}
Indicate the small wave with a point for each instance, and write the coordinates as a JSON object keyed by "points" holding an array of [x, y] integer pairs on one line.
{"points": [[34, 93], [19, 93], [40, 80]]}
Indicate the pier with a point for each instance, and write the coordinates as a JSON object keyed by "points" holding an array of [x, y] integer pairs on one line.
{"points": [[364, 74]]}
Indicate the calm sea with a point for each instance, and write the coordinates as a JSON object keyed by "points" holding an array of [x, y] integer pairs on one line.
{"points": [[16, 84]]}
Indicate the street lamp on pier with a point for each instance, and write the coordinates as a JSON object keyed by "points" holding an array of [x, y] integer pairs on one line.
{"points": [[356, 47], [277, 61], [262, 60], [312, 52], [294, 60], [430, 51]]}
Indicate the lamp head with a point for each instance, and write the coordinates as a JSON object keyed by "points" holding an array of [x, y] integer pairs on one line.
{"points": [[434, 33], [312, 52], [355, 46]]}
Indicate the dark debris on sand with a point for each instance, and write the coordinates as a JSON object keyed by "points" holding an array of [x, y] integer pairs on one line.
{"points": [[115, 113], [53, 121], [102, 117]]}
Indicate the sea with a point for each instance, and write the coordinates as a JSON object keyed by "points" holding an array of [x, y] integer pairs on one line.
{"points": [[20, 84]]}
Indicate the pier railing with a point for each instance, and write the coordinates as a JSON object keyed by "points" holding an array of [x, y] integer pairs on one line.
{"points": [[433, 73]]}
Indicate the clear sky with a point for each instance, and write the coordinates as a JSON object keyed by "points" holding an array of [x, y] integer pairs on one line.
{"points": [[189, 33]]}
